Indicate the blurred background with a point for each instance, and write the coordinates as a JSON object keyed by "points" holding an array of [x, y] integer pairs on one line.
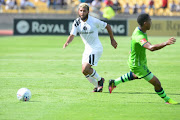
{"points": [[165, 13]]}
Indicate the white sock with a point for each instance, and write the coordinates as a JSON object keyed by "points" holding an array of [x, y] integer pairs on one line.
{"points": [[92, 80], [95, 75]]}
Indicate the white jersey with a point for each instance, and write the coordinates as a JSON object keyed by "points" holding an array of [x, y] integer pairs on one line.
{"points": [[88, 31]]}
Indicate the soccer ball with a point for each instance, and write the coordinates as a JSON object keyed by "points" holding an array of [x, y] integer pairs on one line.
{"points": [[24, 94]]}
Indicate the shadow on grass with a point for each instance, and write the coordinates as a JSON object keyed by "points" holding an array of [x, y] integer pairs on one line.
{"points": [[34, 101], [138, 93], [28, 102], [141, 93]]}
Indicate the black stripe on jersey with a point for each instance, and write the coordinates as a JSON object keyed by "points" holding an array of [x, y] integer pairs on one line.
{"points": [[89, 59], [93, 56], [77, 22], [146, 75]]}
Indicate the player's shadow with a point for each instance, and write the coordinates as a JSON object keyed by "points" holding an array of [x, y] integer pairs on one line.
{"points": [[138, 93]]}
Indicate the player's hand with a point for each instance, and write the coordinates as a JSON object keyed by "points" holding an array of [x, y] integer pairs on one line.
{"points": [[65, 45], [114, 43], [171, 40]]}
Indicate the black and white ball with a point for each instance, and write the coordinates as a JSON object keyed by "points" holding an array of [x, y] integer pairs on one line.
{"points": [[24, 94]]}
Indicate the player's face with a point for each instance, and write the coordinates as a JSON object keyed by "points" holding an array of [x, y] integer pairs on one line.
{"points": [[148, 24], [83, 13]]}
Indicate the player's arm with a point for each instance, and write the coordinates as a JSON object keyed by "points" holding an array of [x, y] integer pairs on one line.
{"points": [[150, 47], [113, 42], [69, 40]]}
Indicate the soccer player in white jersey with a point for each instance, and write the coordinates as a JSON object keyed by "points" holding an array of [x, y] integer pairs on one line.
{"points": [[88, 26]]}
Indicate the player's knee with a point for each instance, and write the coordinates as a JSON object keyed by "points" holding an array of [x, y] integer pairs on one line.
{"points": [[85, 70]]}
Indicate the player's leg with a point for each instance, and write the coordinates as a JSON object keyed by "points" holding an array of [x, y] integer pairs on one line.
{"points": [[160, 91], [93, 81], [90, 73], [93, 60], [93, 77], [135, 73], [99, 79], [124, 78], [86, 70]]}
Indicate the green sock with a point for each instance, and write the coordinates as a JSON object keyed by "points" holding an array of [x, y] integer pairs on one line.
{"points": [[126, 77], [162, 94]]}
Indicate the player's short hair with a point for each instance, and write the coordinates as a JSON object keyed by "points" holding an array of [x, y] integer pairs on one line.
{"points": [[142, 18], [84, 5]]}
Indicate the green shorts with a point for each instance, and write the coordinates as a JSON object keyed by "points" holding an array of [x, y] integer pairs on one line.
{"points": [[142, 72]]}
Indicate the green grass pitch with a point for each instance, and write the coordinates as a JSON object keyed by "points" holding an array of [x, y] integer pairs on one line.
{"points": [[61, 92]]}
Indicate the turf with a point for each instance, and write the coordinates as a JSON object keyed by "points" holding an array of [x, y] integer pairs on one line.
{"points": [[61, 92]]}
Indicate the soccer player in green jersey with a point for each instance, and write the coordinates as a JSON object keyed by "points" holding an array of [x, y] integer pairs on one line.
{"points": [[137, 59]]}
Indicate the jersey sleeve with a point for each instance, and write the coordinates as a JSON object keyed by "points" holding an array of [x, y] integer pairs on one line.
{"points": [[74, 28], [100, 24], [142, 40]]}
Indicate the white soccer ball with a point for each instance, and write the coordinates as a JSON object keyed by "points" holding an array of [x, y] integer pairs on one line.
{"points": [[24, 94]]}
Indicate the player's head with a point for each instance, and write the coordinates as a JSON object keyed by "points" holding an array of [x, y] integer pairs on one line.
{"points": [[144, 21], [83, 11]]}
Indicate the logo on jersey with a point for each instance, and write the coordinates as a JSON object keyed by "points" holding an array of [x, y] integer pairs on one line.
{"points": [[84, 28], [143, 41]]}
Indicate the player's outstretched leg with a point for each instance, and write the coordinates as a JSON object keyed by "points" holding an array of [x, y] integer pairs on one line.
{"points": [[160, 91], [124, 78], [167, 99]]}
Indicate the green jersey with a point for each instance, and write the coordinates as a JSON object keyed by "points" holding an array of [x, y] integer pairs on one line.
{"points": [[137, 57]]}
